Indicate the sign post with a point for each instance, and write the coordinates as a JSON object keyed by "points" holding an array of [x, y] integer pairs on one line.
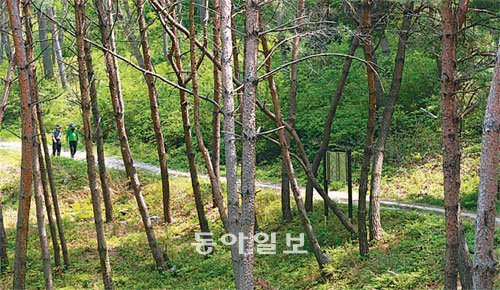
{"points": [[337, 167]]}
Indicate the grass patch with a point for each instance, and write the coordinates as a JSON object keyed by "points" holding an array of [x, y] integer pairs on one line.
{"points": [[411, 256]]}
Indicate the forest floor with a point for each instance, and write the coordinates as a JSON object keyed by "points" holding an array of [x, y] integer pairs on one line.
{"points": [[411, 255], [340, 196]]}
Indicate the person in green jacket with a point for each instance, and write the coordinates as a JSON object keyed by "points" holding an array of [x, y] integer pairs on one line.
{"points": [[72, 137]]}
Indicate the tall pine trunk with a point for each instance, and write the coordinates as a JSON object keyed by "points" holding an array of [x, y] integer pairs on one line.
{"points": [[456, 258], [27, 134], [229, 112], [375, 224], [39, 200], [484, 250], [321, 258], [81, 28], [40, 219], [108, 41], [216, 111], [249, 137], [48, 208], [155, 114], [292, 98], [98, 135], [325, 141], [370, 127], [214, 180], [188, 139]]}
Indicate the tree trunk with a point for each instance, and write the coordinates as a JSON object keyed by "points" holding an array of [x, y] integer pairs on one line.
{"points": [[285, 179], [321, 258], [455, 259], [214, 180], [236, 62], [215, 140], [57, 46], [370, 128], [249, 137], [286, 210], [329, 120], [81, 27], [39, 203], [229, 130], [484, 250], [48, 208], [39, 200], [155, 115], [108, 40], [376, 231], [27, 135], [45, 46], [98, 135], [188, 138], [130, 34]]}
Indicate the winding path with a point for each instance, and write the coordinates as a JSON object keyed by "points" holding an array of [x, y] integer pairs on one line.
{"points": [[117, 163]]}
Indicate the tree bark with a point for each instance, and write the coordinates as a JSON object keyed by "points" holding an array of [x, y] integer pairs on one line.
{"points": [[48, 208], [321, 258], [108, 40], [155, 115], [27, 135], [39, 203], [81, 27], [249, 137], [370, 128], [455, 260], [215, 140], [57, 46], [188, 138], [39, 200], [375, 225], [214, 180], [286, 211], [484, 250], [229, 130], [45, 46], [329, 121], [98, 135]]}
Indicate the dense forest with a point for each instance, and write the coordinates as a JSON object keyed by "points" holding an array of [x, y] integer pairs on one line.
{"points": [[198, 140]]}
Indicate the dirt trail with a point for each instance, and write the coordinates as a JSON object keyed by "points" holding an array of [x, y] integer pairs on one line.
{"points": [[117, 163]]}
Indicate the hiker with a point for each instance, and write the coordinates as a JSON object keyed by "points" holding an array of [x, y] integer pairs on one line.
{"points": [[56, 141], [72, 138]]}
